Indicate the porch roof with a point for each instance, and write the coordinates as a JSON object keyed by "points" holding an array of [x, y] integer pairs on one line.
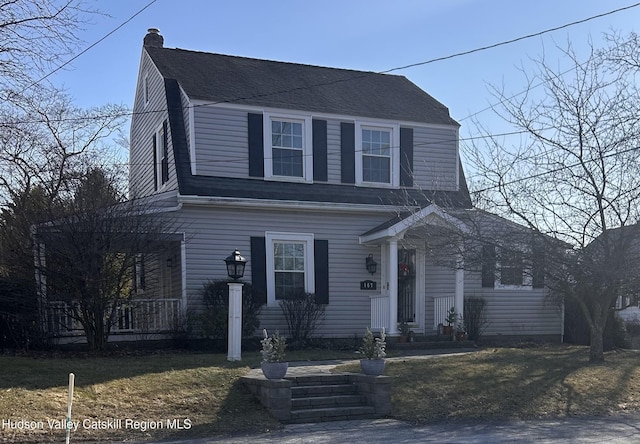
{"points": [[399, 224]]}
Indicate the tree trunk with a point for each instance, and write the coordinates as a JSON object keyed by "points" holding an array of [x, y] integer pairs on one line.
{"points": [[596, 350]]}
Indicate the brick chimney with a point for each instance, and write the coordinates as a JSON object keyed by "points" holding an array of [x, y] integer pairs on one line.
{"points": [[153, 38]]}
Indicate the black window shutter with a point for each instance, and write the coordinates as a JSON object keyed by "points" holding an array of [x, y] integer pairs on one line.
{"points": [[259, 269], [319, 150], [321, 260], [538, 265], [155, 162], [165, 153], [406, 157], [348, 152], [256, 145], [488, 266]]}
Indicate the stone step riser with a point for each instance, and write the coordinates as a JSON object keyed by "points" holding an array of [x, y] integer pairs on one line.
{"points": [[323, 390], [328, 401], [332, 414]]}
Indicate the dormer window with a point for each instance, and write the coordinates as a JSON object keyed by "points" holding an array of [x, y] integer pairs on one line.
{"points": [[288, 148], [377, 154]]}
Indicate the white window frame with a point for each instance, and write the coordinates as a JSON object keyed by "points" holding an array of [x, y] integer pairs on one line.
{"points": [[271, 237], [145, 89], [307, 146], [527, 276], [160, 141], [394, 152]]}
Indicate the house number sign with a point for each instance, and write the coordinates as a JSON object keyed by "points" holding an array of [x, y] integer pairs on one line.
{"points": [[368, 285]]}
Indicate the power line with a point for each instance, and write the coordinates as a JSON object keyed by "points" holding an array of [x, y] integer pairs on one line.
{"points": [[130, 113], [517, 39], [87, 49]]}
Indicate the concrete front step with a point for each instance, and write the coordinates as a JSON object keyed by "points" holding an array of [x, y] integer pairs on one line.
{"points": [[332, 414], [316, 402], [323, 397], [301, 391], [320, 398]]}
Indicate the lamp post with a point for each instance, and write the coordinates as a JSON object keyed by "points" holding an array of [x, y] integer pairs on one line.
{"points": [[235, 269]]}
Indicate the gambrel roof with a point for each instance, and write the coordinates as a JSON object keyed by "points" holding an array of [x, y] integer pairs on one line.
{"points": [[221, 78]]}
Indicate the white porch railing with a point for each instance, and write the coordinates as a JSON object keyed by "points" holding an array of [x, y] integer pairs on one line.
{"points": [[137, 316], [379, 312], [441, 306]]}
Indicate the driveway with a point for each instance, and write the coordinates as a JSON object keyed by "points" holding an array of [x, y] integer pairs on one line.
{"points": [[613, 429]]}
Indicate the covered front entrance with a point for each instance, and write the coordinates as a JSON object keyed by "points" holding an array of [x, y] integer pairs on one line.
{"points": [[403, 267]]}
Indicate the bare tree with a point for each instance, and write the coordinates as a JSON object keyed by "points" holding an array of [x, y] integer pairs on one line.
{"points": [[90, 254], [35, 35], [574, 176]]}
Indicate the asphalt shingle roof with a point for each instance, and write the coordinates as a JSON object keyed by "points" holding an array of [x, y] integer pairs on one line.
{"points": [[241, 80]]}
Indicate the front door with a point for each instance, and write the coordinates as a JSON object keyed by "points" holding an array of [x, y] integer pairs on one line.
{"points": [[407, 285]]}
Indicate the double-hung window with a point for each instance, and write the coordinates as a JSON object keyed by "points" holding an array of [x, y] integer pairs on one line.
{"points": [[290, 265], [513, 271], [288, 148], [161, 156], [377, 156]]}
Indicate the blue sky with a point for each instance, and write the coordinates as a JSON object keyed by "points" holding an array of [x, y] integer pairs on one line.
{"points": [[371, 35]]}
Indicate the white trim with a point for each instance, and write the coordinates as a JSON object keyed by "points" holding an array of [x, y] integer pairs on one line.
{"points": [[192, 139], [307, 146], [457, 131], [309, 264], [319, 115], [160, 149], [285, 204], [397, 230], [145, 89], [183, 275], [394, 153]]}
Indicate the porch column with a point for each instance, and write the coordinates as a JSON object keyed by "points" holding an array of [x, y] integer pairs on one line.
{"points": [[458, 300], [393, 287]]}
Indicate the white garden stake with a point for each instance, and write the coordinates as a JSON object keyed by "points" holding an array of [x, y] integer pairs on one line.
{"points": [[69, 401]]}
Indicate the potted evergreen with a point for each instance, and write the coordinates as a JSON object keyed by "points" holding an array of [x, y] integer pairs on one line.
{"points": [[273, 354], [373, 350], [450, 320]]}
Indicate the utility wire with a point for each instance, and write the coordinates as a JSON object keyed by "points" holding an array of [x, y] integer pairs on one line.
{"points": [[129, 113], [87, 49], [517, 39]]}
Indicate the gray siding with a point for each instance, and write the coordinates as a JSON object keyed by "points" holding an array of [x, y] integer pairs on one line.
{"points": [[435, 163], [439, 282], [333, 151], [516, 312], [221, 142], [145, 121], [222, 149], [209, 242]]}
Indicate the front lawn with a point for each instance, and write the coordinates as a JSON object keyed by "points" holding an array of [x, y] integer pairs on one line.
{"points": [[158, 393]]}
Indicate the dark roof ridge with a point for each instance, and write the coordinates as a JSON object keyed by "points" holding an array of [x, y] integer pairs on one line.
{"points": [[310, 65]]}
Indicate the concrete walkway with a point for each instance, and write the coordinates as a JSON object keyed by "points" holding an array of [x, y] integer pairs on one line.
{"points": [[613, 429]]}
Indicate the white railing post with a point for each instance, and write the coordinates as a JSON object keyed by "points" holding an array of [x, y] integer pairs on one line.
{"points": [[379, 312]]}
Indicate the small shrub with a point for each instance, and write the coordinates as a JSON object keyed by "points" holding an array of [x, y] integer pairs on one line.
{"points": [[303, 316], [215, 319], [475, 320], [273, 347], [372, 347]]}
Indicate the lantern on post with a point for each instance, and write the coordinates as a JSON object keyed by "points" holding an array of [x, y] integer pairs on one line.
{"points": [[235, 265], [235, 269]]}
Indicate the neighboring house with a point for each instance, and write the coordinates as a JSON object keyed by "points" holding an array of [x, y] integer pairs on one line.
{"points": [[309, 171]]}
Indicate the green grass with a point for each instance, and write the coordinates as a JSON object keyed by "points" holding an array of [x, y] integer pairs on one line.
{"points": [[514, 384], [490, 384]]}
